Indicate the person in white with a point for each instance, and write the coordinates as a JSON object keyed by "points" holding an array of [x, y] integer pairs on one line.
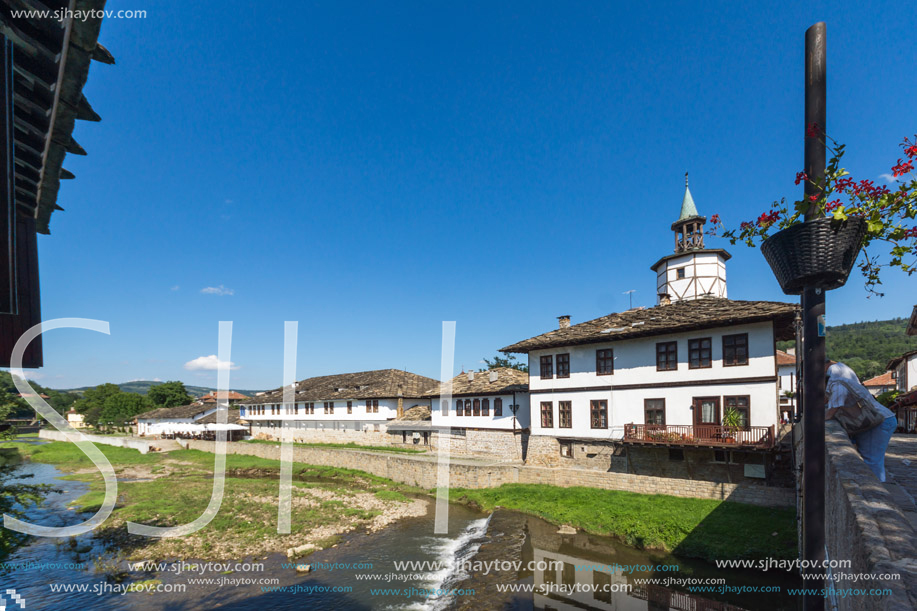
{"points": [[844, 390]]}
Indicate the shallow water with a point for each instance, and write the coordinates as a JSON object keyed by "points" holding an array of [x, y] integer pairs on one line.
{"points": [[363, 570]]}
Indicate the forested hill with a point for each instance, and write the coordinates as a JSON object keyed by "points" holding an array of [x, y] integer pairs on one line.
{"points": [[867, 346], [142, 387]]}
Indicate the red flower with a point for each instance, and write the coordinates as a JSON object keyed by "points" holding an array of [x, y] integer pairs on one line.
{"points": [[813, 130], [715, 219], [813, 198], [745, 225], [903, 168], [910, 149], [801, 176], [911, 233], [832, 205], [843, 184]]}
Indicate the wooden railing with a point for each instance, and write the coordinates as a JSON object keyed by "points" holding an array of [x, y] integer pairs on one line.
{"points": [[701, 435]]}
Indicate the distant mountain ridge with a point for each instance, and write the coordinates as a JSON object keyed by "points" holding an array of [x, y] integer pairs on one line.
{"points": [[141, 387]]}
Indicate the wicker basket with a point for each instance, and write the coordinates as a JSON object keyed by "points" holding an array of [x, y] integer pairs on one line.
{"points": [[817, 254]]}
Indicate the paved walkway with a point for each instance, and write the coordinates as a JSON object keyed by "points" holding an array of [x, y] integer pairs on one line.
{"points": [[901, 474]]}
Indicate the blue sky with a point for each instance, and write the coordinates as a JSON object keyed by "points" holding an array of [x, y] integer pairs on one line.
{"points": [[373, 169]]}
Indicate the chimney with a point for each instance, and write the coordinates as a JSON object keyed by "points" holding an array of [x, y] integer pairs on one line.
{"points": [[471, 376], [664, 299], [563, 322], [493, 376]]}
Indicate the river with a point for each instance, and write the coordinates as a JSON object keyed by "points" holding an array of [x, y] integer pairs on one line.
{"points": [[483, 557]]}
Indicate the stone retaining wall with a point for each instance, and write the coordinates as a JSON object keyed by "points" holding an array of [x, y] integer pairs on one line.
{"points": [[865, 525], [122, 442], [421, 471]]}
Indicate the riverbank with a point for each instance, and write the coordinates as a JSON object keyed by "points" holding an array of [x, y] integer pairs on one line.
{"points": [[689, 528], [175, 488]]}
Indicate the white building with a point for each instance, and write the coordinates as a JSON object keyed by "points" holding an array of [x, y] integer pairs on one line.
{"points": [[904, 370], [347, 407], [487, 414], [881, 384], [664, 376], [786, 371]]}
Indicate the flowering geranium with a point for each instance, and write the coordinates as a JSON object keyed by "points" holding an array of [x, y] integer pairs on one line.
{"points": [[889, 215]]}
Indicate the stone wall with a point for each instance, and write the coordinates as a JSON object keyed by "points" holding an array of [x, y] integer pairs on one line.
{"points": [[361, 437], [122, 442], [863, 524], [676, 462], [420, 470]]}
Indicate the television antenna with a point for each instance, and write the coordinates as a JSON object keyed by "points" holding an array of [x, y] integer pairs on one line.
{"points": [[630, 294]]}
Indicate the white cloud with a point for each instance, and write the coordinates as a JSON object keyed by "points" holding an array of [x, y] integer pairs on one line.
{"points": [[209, 363], [891, 179], [217, 290], [175, 288]]}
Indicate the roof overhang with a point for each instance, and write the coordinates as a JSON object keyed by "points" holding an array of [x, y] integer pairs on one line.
{"points": [[51, 60], [699, 251]]}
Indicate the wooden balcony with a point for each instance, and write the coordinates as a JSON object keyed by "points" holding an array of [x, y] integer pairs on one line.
{"points": [[758, 437]]}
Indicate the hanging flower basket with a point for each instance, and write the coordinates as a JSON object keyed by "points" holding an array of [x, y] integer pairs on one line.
{"points": [[818, 253]]}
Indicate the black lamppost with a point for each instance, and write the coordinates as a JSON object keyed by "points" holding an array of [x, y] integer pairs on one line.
{"points": [[813, 329]]}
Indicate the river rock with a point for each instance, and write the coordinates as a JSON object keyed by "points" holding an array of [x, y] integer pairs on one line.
{"points": [[566, 529], [303, 568], [297, 551]]}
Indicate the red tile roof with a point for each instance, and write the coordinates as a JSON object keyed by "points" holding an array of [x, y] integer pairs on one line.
{"points": [[885, 379], [784, 358]]}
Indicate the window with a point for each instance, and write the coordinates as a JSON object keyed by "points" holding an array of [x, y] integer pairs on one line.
{"points": [[680, 273], [372, 406], [598, 410], [676, 455], [547, 367], [444, 407], [699, 353], [740, 404], [563, 365], [565, 414], [654, 412], [498, 408], [604, 362], [458, 408], [566, 449], [547, 415], [467, 407], [485, 407], [350, 407], [735, 350], [666, 356], [329, 407], [477, 407]]}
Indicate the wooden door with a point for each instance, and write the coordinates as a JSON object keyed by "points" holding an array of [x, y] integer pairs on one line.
{"points": [[706, 417]]}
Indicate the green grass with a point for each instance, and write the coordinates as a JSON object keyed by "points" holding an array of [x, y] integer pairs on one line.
{"points": [[342, 446], [696, 528]]}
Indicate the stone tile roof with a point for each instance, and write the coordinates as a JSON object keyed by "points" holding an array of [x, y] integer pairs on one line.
{"points": [[498, 380], [232, 395], [676, 317], [785, 358], [885, 379], [232, 417], [182, 411], [378, 384]]}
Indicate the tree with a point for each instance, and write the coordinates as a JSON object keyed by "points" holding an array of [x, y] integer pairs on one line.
{"points": [[169, 394], [93, 402], [506, 361], [119, 409]]}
